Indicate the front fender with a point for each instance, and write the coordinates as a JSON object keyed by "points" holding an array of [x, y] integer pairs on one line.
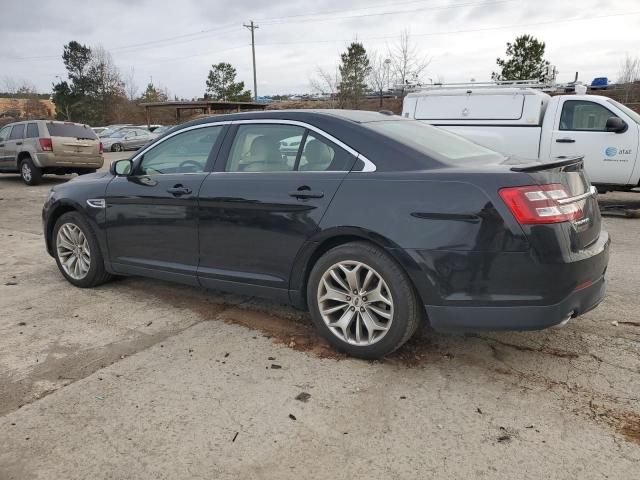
{"points": [[95, 217]]}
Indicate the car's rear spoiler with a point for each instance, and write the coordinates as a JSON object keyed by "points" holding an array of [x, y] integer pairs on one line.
{"points": [[558, 163]]}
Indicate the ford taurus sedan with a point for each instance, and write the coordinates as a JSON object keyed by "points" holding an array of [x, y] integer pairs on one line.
{"points": [[375, 224]]}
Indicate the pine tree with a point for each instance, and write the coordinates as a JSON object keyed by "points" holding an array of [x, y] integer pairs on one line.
{"points": [[354, 70], [525, 61]]}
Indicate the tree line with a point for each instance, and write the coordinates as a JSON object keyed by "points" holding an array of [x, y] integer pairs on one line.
{"points": [[97, 93]]}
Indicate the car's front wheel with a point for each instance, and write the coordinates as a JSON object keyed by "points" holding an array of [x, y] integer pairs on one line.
{"points": [[77, 252], [116, 147], [361, 300]]}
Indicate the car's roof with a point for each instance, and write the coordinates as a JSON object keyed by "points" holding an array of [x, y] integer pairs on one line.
{"points": [[45, 120], [355, 116]]}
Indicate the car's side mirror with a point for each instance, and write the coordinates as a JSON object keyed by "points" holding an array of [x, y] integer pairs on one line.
{"points": [[121, 168], [616, 125]]}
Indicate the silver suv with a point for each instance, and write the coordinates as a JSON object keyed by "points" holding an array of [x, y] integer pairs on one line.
{"points": [[37, 147]]}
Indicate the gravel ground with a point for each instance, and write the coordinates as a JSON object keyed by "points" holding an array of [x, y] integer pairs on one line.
{"points": [[145, 379]]}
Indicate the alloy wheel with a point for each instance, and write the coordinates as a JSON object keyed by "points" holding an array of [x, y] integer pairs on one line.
{"points": [[26, 172], [355, 303], [73, 251]]}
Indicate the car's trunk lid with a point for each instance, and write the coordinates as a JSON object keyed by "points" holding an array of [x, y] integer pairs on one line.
{"points": [[570, 173]]}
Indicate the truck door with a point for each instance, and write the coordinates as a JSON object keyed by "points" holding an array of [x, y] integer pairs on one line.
{"points": [[580, 129]]}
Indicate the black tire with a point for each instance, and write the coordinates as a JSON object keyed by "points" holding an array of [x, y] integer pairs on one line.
{"points": [[86, 171], [116, 147], [30, 174], [407, 309], [97, 274]]}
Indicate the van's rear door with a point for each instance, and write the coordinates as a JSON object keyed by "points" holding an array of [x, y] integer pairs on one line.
{"points": [[73, 140]]}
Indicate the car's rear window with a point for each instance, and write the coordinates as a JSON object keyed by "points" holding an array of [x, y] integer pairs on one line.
{"points": [[70, 130], [434, 142]]}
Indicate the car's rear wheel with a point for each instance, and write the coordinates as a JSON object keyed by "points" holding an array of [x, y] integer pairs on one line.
{"points": [[361, 300], [116, 147], [31, 175], [77, 252]]}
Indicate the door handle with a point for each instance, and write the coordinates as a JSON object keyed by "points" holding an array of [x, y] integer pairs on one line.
{"points": [[18, 143], [178, 190], [565, 140], [306, 193]]}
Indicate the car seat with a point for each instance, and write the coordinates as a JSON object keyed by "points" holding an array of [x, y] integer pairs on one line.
{"points": [[318, 156]]}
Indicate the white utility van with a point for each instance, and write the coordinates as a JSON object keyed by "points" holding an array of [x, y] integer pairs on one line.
{"points": [[529, 123]]}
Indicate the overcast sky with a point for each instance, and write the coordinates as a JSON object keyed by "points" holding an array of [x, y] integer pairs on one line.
{"points": [[175, 42]]}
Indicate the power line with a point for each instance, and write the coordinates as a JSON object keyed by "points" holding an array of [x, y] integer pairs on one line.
{"points": [[388, 37], [484, 29], [341, 16], [379, 5], [276, 21]]}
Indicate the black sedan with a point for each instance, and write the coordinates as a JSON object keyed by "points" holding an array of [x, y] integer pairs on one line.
{"points": [[376, 224]]}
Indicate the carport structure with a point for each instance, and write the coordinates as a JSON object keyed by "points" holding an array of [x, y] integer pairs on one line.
{"points": [[206, 106]]}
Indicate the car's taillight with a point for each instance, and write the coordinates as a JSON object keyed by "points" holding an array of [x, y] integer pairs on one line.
{"points": [[101, 148], [46, 145], [535, 204]]}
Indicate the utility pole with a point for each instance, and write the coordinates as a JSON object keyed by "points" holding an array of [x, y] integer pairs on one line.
{"points": [[252, 27]]}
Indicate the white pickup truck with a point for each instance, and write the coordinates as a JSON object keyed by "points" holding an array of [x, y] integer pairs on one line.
{"points": [[529, 123]]}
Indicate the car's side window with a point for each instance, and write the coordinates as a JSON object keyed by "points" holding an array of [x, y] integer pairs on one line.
{"points": [[4, 133], [17, 132], [185, 152], [319, 155], [265, 148], [584, 115], [32, 130]]}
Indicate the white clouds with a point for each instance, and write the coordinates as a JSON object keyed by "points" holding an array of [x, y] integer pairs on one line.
{"points": [[463, 41]]}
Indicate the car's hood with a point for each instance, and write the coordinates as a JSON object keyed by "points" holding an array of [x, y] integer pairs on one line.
{"points": [[90, 177]]}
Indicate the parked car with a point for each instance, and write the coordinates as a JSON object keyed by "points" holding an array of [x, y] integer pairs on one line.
{"points": [[161, 130], [289, 146], [127, 139], [531, 124], [377, 224], [98, 130], [111, 129], [38, 147], [151, 127]]}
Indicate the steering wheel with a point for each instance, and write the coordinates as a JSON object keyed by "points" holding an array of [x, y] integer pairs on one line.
{"points": [[195, 166]]}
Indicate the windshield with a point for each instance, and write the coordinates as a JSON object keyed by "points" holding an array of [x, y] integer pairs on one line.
{"points": [[635, 116], [72, 130], [434, 142]]}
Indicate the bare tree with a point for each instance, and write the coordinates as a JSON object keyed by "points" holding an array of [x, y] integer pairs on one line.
{"points": [[325, 82], [9, 84], [407, 65], [130, 85], [628, 74], [106, 73], [379, 75]]}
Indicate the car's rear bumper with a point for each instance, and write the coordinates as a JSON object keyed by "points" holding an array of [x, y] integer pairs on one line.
{"points": [[522, 317], [476, 291], [46, 160]]}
